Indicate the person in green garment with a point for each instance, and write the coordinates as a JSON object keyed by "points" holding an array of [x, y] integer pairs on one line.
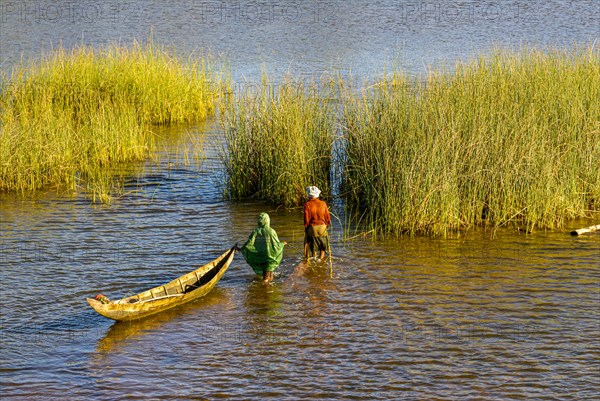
{"points": [[263, 251]]}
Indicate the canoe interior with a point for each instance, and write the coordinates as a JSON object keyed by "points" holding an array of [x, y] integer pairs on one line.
{"points": [[182, 285], [183, 289]]}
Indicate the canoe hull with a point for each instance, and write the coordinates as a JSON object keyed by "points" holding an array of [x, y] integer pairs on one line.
{"points": [[184, 289]]}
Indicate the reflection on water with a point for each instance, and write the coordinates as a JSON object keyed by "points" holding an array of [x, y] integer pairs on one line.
{"points": [[507, 318], [310, 38], [122, 333], [263, 305], [473, 317], [484, 315]]}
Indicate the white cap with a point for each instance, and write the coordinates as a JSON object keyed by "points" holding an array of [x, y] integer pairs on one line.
{"points": [[313, 192]]}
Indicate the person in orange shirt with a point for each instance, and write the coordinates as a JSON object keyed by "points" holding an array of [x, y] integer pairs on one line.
{"points": [[316, 221]]}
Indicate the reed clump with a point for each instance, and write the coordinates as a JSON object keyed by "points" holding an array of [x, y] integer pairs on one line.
{"points": [[69, 116], [277, 141], [509, 139]]}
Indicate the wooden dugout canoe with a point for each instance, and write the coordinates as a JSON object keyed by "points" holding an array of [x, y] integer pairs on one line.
{"points": [[186, 288]]}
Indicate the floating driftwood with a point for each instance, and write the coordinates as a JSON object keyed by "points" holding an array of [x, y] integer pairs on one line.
{"points": [[586, 230]]}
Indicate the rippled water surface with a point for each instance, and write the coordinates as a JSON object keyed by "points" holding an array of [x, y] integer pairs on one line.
{"points": [[484, 316]]}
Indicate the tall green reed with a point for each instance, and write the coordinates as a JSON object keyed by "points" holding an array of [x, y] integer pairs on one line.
{"points": [[277, 141], [73, 114], [509, 139]]}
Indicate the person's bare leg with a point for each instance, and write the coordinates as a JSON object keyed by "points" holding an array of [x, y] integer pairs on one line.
{"points": [[267, 277]]}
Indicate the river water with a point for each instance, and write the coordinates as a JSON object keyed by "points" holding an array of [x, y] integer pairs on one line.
{"points": [[485, 315]]}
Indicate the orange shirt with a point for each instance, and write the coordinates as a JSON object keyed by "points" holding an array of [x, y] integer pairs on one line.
{"points": [[316, 213]]}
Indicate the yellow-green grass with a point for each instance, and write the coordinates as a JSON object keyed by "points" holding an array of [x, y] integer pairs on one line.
{"points": [[73, 113], [509, 139], [277, 142]]}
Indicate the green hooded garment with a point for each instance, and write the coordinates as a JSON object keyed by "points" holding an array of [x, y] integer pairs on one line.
{"points": [[263, 251]]}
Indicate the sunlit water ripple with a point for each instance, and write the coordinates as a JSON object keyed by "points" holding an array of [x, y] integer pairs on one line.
{"points": [[510, 317], [486, 316]]}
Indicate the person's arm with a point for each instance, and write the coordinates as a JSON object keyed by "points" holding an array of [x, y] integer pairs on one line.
{"points": [[249, 242], [276, 238], [306, 215]]}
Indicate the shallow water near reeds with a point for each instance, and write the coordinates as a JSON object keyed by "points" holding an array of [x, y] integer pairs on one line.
{"points": [[474, 317], [487, 315]]}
